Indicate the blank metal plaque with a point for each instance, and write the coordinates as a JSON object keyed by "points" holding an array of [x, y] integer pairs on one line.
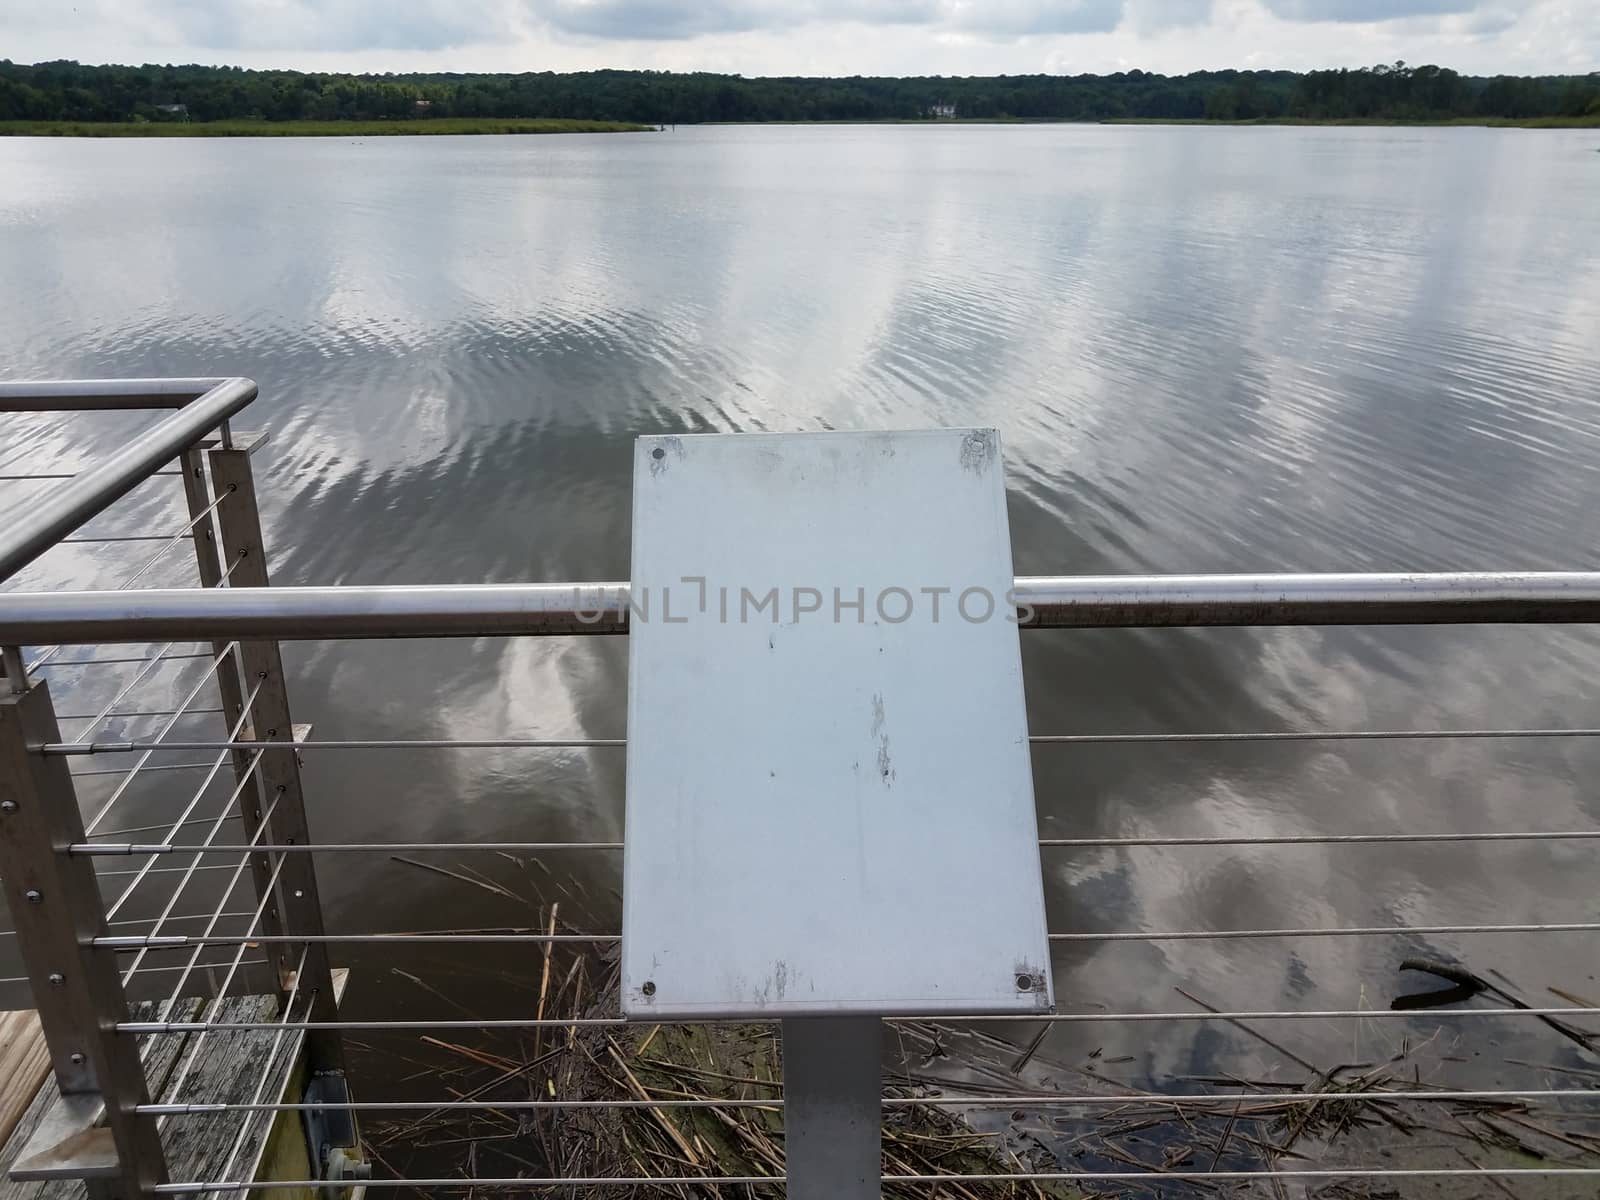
{"points": [[829, 796]]}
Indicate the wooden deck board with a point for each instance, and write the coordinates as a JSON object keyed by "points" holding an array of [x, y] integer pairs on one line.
{"points": [[228, 1066], [24, 1062], [228, 1062]]}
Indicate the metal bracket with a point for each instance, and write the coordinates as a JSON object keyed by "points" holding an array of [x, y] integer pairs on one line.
{"points": [[332, 1144], [70, 1143], [247, 440], [13, 670]]}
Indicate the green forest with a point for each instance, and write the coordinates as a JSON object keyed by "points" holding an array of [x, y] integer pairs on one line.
{"points": [[70, 91]]}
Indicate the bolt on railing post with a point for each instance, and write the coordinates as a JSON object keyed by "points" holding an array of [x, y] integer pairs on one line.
{"points": [[56, 910], [296, 908]]}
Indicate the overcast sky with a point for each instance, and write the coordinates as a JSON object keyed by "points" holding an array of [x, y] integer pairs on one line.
{"points": [[811, 37]]}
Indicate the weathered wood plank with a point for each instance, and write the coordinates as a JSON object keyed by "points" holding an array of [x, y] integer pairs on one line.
{"points": [[159, 1054], [222, 1066], [226, 1068], [24, 1062]]}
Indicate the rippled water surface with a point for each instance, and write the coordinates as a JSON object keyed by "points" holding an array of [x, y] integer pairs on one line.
{"points": [[1205, 349]]}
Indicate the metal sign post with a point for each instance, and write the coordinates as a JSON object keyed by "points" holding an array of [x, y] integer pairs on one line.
{"points": [[829, 802]]}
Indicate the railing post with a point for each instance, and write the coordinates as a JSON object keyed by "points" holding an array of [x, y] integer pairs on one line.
{"points": [[197, 491], [56, 910], [208, 560], [833, 1107], [297, 907]]}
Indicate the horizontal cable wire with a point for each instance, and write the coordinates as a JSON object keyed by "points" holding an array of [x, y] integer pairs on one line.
{"points": [[244, 778], [176, 941], [267, 1072], [149, 537], [165, 1189], [1059, 739], [233, 882], [125, 848], [61, 748], [147, 1027], [162, 871], [982, 1101], [216, 663], [188, 766], [148, 712], [111, 662], [163, 824], [1329, 839], [1191, 935], [186, 533], [116, 849], [175, 1088], [6, 933], [66, 475], [150, 665], [194, 802], [249, 962], [136, 941], [1358, 735]]}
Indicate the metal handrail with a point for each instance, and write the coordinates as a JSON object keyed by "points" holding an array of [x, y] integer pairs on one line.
{"points": [[86, 495], [102, 395], [231, 617], [1089, 601]]}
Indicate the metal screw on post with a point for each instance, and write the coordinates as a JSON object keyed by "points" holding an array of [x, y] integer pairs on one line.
{"points": [[57, 913], [299, 907]]}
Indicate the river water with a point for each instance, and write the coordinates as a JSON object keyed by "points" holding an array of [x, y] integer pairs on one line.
{"points": [[1206, 349]]}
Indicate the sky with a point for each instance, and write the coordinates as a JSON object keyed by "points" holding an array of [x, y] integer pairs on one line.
{"points": [[812, 37]]}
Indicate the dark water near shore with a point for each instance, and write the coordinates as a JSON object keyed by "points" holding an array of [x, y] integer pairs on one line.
{"points": [[1206, 350]]}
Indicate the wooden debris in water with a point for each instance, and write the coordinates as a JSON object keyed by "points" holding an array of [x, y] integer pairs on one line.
{"points": [[1137, 1130]]}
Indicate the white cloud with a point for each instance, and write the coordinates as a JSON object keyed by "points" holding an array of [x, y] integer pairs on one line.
{"points": [[1365, 10], [814, 37]]}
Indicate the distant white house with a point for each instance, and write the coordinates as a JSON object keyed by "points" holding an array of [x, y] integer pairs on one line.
{"points": [[942, 112]]}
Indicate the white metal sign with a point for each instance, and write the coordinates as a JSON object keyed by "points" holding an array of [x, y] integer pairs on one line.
{"points": [[829, 795]]}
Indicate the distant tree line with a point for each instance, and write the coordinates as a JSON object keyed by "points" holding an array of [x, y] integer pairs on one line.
{"points": [[70, 91]]}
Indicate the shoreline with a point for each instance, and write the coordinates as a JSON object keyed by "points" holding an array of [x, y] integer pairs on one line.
{"points": [[516, 126], [1585, 122], [426, 127]]}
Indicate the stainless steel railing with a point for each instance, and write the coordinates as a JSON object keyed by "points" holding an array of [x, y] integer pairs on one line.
{"points": [[202, 406], [578, 609], [243, 620]]}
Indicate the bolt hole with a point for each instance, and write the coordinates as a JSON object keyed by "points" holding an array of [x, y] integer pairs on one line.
{"points": [[658, 453], [1024, 983], [649, 988]]}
